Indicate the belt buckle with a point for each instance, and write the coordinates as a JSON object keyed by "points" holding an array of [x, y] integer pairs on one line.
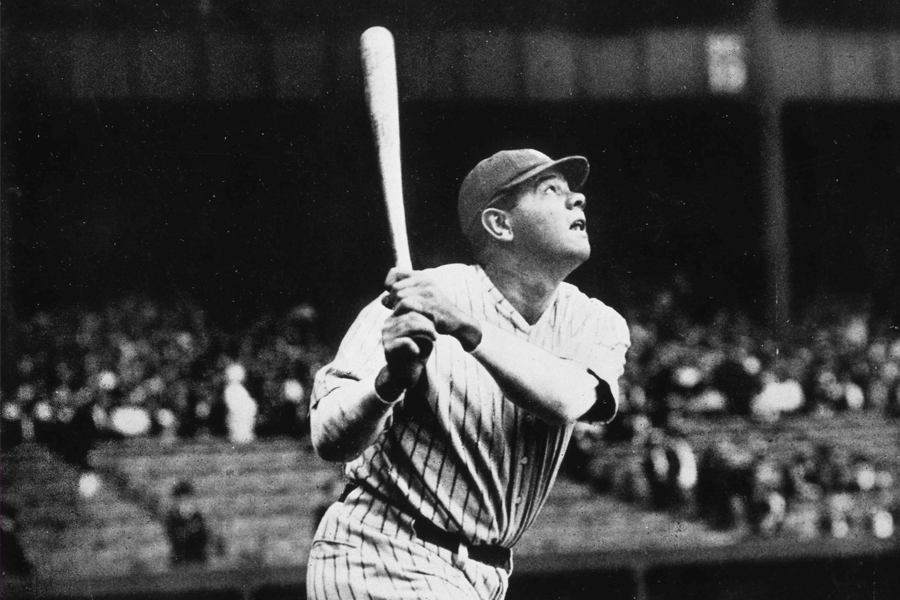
{"points": [[462, 554]]}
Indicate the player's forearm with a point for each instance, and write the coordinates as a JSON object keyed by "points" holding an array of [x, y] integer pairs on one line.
{"points": [[555, 389], [348, 420]]}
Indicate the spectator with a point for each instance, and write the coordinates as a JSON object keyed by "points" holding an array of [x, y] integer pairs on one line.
{"points": [[767, 506], [737, 377], [798, 484], [186, 527], [725, 484], [671, 470], [240, 405], [12, 431], [780, 394]]}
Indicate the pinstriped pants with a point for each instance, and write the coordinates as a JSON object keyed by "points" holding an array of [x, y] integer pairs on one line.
{"points": [[364, 548]]}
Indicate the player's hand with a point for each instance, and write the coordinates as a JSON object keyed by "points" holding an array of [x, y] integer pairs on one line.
{"points": [[416, 292], [408, 339]]}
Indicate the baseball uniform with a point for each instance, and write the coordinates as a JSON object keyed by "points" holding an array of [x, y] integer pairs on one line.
{"points": [[457, 458]]}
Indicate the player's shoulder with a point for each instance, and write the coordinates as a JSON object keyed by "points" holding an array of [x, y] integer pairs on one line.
{"points": [[453, 270], [460, 282], [579, 305], [453, 275], [574, 297]]}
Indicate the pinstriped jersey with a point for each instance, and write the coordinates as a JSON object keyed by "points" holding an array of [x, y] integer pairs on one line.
{"points": [[456, 451]]}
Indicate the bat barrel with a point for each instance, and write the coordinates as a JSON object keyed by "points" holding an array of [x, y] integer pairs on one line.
{"points": [[380, 74]]}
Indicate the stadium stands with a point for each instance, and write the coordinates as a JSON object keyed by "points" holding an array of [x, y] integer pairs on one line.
{"points": [[93, 518], [70, 530], [262, 502]]}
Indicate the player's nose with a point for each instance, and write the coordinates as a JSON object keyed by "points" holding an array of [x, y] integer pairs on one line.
{"points": [[576, 200]]}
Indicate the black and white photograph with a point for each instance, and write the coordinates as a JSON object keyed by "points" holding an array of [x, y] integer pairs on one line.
{"points": [[483, 300]]}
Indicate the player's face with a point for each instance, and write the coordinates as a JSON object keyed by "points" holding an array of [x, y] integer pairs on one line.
{"points": [[549, 220]]}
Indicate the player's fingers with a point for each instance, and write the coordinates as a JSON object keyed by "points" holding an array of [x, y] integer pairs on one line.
{"points": [[412, 280], [412, 304], [407, 349], [417, 288], [402, 348], [393, 283], [410, 324], [420, 326], [395, 275], [390, 298]]}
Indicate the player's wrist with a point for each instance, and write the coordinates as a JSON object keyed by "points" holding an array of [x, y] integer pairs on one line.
{"points": [[489, 344]]}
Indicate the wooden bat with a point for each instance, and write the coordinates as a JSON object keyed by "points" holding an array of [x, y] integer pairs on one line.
{"points": [[380, 74]]}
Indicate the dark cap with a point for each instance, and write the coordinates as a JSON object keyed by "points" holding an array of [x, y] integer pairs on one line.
{"points": [[504, 170]]}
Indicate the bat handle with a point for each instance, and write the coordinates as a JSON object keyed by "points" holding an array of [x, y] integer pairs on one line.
{"points": [[402, 256]]}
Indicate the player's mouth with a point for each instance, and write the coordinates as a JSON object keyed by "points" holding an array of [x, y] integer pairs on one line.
{"points": [[578, 225]]}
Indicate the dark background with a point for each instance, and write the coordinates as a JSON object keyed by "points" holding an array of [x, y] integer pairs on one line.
{"points": [[235, 206], [245, 206]]}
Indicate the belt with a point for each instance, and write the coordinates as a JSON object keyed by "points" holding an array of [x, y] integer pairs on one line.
{"points": [[494, 556]]}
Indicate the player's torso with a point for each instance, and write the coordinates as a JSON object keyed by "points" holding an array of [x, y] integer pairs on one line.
{"points": [[460, 452]]}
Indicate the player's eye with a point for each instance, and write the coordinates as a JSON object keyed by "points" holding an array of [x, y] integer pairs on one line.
{"points": [[556, 186]]}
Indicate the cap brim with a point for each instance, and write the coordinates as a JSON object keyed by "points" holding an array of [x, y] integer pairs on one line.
{"points": [[575, 169]]}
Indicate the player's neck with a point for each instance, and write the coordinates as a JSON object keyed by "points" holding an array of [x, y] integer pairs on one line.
{"points": [[530, 292]]}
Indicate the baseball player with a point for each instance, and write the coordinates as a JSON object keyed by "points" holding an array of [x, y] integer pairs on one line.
{"points": [[453, 397]]}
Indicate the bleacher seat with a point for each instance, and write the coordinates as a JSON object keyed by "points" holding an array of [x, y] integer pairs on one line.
{"points": [[66, 534], [260, 501]]}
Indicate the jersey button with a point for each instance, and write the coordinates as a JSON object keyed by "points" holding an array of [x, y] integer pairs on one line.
{"points": [[529, 418], [524, 460], [518, 499]]}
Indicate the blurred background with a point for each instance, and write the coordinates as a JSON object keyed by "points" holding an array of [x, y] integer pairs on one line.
{"points": [[192, 216]]}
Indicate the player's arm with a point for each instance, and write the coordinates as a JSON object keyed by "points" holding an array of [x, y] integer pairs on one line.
{"points": [[348, 415], [555, 389]]}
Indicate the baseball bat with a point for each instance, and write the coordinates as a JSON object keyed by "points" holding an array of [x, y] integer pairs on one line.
{"points": [[380, 75]]}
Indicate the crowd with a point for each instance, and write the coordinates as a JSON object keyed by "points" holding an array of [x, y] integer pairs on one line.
{"points": [[681, 369], [173, 363], [139, 367], [741, 483], [839, 356]]}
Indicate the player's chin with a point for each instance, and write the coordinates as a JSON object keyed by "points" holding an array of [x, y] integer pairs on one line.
{"points": [[577, 256], [582, 250]]}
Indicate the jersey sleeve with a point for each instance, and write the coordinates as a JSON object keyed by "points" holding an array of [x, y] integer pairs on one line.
{"points": [[607, 358], [605, 340], [360, 354]]}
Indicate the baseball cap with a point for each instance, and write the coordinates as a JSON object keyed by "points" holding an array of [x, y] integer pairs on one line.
{"points": [[506, 169]]}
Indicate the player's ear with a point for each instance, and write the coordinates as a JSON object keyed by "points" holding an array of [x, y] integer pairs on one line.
{"points": [[496, 222]]}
